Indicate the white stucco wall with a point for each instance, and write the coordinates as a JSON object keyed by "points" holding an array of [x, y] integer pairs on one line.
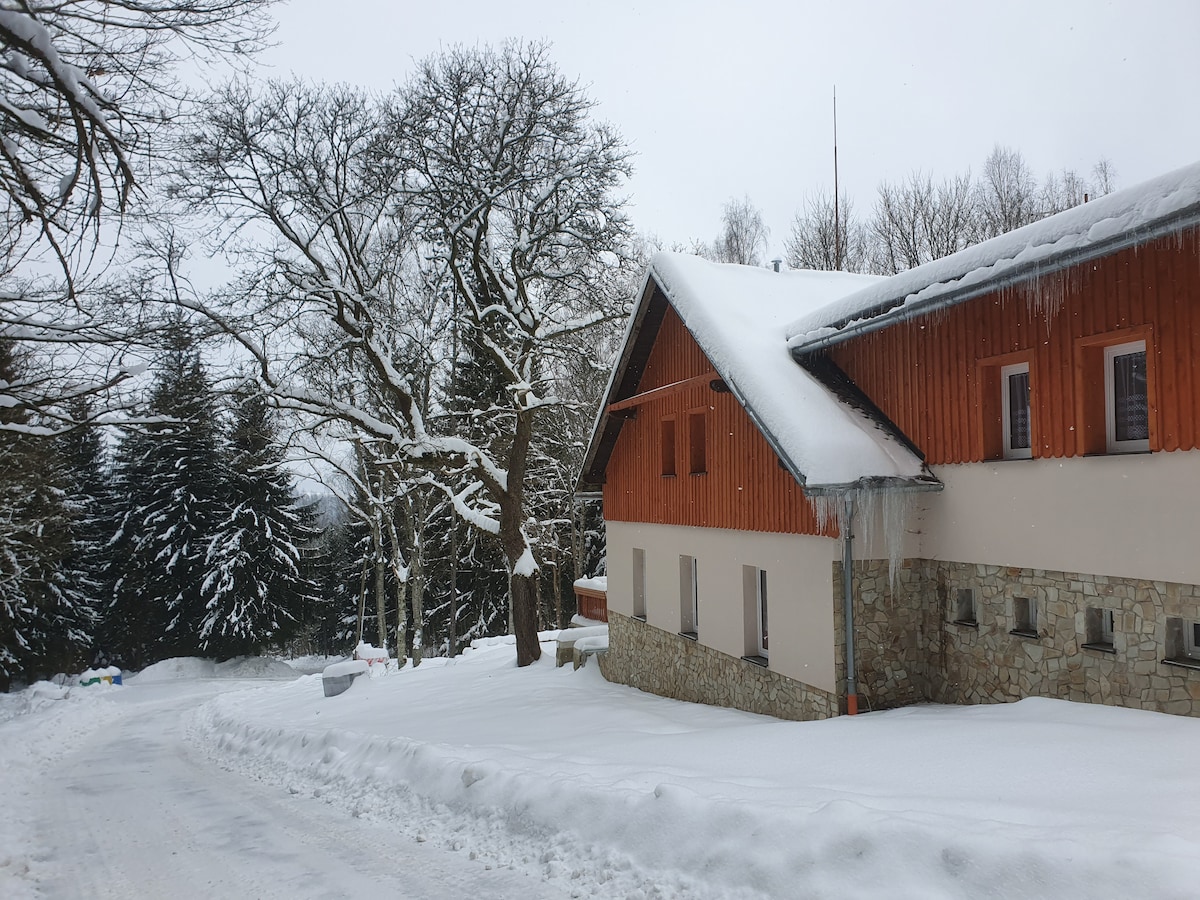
{"points": [[1134, 516], [799, 589]]}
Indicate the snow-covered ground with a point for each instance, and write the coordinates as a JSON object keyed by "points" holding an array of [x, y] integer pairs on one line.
{"points": [[552, 782]]}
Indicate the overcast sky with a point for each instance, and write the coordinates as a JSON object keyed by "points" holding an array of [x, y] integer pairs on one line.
{"points": [[719, 100]]}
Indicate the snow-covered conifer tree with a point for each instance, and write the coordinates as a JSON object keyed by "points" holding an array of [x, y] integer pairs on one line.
{"points": [[254, 585]]}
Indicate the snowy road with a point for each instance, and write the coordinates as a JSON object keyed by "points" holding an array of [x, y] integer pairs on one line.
{"points": [[137, 811]]}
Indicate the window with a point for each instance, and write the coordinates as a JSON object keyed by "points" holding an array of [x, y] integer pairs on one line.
{"points": [[1024, 617], [1126, 406], [754, 606], [964, 607], [667, 445], [697, 462], [1114, 391], [1014, 405], [1183, 642], [762, 613], [689, 597], [639, 583], [1099, 624], [1004, 403]]}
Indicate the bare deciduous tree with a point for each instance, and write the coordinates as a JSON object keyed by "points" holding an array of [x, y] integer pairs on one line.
{"points": [[482, 190], [743, 237], [822, 240]]}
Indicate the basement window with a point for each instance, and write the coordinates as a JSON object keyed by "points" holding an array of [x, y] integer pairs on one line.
{"points": [[1098, 626], [1183, 643], [1025, 622], [964, 607]]}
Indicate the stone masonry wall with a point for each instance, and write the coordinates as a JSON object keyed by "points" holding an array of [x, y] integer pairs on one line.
{"points": [[909, 648], [670, 665], [897, 634]]}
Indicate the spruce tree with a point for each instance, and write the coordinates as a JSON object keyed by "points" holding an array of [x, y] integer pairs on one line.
{"points": [[170, 479], [45, 618], [255, 584]]}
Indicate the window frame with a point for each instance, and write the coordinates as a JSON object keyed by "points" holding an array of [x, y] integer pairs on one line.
{"points": [[968, 594], [1091, 400], [668, 447], [990, 394], [761, 612], [1111, 352], [1007, 449], [689, 597], [639, 583], [1027, 625], [697, 440]]}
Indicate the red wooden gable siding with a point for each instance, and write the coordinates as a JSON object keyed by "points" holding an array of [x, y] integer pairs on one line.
{"points": [[927, 375], [743, 487]]}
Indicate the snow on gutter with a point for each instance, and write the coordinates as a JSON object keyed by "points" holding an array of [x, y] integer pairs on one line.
{"points": [[1157, 208]]}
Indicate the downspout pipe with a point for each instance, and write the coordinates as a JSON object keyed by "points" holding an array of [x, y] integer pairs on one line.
{"points": [[848, 600]]}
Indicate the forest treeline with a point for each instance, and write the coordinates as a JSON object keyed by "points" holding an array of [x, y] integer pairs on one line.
{"points": [[425, 291]]}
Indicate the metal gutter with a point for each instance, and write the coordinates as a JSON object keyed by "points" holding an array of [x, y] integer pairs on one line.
{"points": [[1185, 218]]}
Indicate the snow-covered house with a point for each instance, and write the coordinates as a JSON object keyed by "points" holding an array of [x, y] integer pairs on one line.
{"points": [[1004, 444]]}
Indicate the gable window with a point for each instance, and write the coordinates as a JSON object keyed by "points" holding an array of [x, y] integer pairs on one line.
{"points": [[697, 449], [1014, 404], [667, 446], [1126, 406], [689, 597], [639, 583]]}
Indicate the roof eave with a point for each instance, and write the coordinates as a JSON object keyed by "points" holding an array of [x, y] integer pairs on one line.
{"points": [[896, 311]]}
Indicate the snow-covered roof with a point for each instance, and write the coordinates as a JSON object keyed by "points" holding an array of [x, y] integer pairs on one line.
{"points": [[738, 315], [1140, 213]]}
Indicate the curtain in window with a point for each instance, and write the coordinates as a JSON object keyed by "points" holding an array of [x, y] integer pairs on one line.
{"points": [[1018, 411], [1132, 415]]}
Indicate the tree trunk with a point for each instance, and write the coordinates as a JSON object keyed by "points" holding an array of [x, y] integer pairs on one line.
{"points": [[400, 573], [362, 601], [522, 577], [557, 584], [380, 580], [452, 636]]}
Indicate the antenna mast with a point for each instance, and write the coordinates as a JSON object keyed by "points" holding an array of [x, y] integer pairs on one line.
{"points": [[837, 213]]}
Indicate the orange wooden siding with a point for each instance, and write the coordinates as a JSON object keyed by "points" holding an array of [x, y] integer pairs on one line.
{"points": [[592, 604], [931, 376], [743, 486]]}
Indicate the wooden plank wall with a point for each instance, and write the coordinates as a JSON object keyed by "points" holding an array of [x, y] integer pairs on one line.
{"points": [[925, 374], [744, 486]]}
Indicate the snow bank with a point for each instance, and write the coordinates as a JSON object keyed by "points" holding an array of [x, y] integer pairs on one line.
{"points": [[597, 583], [608, 791], [191, 667], [739, 316]]}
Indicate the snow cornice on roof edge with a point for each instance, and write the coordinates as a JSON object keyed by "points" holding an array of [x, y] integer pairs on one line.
{"points": [[1157, 208], [737, 315]]}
